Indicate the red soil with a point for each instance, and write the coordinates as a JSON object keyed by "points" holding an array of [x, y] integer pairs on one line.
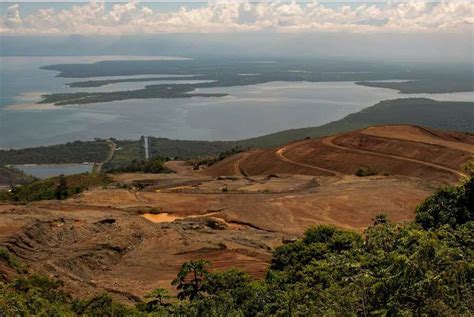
{"points": [[396, 150]]}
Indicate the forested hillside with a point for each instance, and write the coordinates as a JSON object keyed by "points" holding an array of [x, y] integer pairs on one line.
{"points": [[71, 152]]}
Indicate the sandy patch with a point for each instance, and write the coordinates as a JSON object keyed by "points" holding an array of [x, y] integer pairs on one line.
{"points": [[32, 107]]}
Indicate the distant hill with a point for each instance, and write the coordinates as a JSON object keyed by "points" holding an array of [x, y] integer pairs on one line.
{"points": [[434, 85], [10, 176], [444, 115], [71, 152]]}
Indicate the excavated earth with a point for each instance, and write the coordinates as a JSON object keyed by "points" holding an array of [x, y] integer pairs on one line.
{"points": [[129, 241], [391, 150]]}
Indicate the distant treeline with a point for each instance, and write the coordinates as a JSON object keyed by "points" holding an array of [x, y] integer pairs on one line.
{"points": [[427, 86], [71, 152], [154, 165], [58, 188], [129, 151], [211, 160]]}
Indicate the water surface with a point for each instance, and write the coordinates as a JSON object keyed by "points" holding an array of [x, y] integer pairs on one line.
{"points": [[248, 111]]}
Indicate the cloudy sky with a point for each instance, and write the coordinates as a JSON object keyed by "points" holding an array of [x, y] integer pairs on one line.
{"points": [[129, 18]]}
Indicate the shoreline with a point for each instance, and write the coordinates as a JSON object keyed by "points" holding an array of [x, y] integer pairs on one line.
{"points": [[53, 165], [32, 107]]}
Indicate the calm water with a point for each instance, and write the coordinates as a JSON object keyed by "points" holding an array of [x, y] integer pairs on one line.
{"points": [[46, 171], [249, 110]]}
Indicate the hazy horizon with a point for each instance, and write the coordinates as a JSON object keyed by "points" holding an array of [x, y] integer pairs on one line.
{"points": [[407, 31]]}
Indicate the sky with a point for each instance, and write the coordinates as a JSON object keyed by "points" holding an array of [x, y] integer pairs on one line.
{"points": [[160, 17], [411, 30]]}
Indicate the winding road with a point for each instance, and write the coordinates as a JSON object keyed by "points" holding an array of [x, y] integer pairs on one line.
{"points": [[236, 166], [329, 142], [280, 154], [113, 146]]}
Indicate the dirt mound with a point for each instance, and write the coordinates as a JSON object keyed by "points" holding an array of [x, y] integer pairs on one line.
{"points": [[391, 150], [94, 250]]}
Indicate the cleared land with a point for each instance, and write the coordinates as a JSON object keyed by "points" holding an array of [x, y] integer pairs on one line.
{"points": [[391, 150], [132, 237], [99, 242]]}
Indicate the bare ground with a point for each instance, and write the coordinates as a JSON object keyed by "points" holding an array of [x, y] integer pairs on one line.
{"points": [[130, 241]]}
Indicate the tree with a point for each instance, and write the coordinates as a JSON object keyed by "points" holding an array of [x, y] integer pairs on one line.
{"points": [[452, 206], [156, 298], [61, 189], [189, 281]]}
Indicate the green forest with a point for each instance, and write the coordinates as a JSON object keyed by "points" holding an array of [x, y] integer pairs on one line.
{"points": [[420, 268], [71, 152], [153, 165]]}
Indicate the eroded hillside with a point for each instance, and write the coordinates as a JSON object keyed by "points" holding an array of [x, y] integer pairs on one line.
{"points": [[131, 237]]}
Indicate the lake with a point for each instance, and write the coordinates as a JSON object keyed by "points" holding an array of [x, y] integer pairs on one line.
{"points": [[248, 111]]}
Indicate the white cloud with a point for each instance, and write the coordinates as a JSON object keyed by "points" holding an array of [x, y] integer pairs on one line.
{"points": [[133, 18]]}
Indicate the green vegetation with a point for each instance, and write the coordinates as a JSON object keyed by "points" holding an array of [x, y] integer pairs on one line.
{"points": [[100, 83], [420, 268], [228, 72], [9, 259], [13, 176], [427, 86], [211, 160], [191, 280], [154, 165], [468, 168], [451, 206], [59, 188], [187, 149], [366, 171], [152, 91], [177, 149], [125, 152], [71, 152]]}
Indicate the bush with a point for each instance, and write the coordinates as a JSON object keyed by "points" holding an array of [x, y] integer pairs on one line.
{"points": [[61, 187], [365, 171], [155, 166], [9, 259], [451, 206]]}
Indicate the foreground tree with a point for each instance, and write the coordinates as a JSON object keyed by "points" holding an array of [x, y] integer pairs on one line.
{"points": [[189, 281]]}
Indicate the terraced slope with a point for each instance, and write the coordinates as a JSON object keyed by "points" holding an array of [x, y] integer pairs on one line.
{"points": [[390, 149]]}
